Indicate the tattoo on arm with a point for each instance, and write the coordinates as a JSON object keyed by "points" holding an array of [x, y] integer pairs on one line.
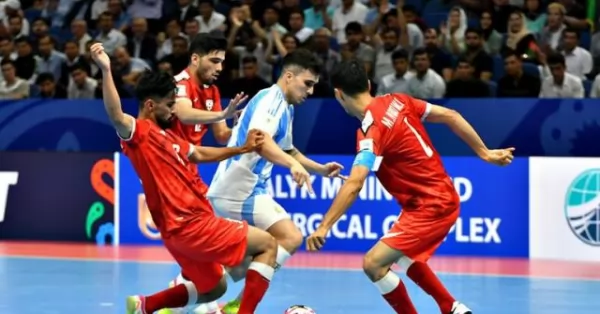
{"points": [[292, 152]]}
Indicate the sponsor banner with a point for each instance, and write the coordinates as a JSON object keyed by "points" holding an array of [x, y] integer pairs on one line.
{"points": [[493, 220], [565, 208], [56, 196]]}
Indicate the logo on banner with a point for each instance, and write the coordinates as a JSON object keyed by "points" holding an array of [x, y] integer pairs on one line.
{"points": [[6, 180], [145, 222], [582, 207], [102, 169]]}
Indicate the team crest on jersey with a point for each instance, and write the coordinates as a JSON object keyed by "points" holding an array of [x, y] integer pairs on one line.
{"points": [[209, 104]]}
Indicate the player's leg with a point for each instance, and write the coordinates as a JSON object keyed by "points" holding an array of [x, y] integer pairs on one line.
{"points": [[377, 265], [418, 238]]}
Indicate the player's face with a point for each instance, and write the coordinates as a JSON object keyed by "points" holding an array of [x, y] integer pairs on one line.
{"points": [[209, 66], [162, 111], [300, 85]]}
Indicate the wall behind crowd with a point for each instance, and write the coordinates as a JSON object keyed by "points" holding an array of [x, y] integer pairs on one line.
{"points": [[429, 49]]}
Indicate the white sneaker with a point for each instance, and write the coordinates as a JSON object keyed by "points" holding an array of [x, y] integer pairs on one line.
{"points": [[459, 308], [206, 309]]}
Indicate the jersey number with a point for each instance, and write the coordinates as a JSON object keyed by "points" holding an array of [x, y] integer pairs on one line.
{"points": [[428, 151], [177, 149]]}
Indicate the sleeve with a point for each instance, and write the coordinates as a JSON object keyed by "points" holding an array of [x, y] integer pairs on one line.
{"points": [[578, 90], [368, 141], [138, 132], [182, 90], [587, 62], [420, 107], [267, 114], [287, 142]]}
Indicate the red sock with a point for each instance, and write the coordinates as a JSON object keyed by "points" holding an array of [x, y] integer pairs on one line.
{"points": [[258, 278], [394, 292], [171, 298], [424, 277]]}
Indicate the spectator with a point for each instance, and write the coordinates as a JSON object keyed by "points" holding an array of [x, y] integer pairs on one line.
{"points": [[50, 60], [209, 20], [465, 84], [396, 82], [501, 12], [376, 10], [15, 26], [388, 43], [129, 68], [520, 39], [192, 28], [287, 8], [12, 87], [165, 66], [271, 22], [481, 61], [551, 35], [579, 61], [453, 31], [441, 61], [39, 29], [80, 33], [576, 15], [26, 63], [492, 39], [426, 83], [48, 87], [318, 15], [122, 19], [516, 83], [110, 37], [350, 11], [561, 84], [179, 57], [322, 48], [81, 86], [186, 11], [357, 48], [141, 44], [164, 39], [283, 45], [250, 83], [411, 15], [7, 49], [297, 27], [93, 68], [73, 57], [149, 10], [595, 91], [535, 18]]}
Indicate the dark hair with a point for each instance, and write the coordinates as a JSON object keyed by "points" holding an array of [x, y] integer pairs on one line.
{"points": [[386, 30], [303, 59], [204, 44], [474, 30], [420, 51], [572, 31], [154, 85], [209, 2], [22, 39], [249, 59], [297, 11], [44, 77], [511, 53], [463, 59], [400, 54], [7, 61], [41, 19], [353, 27], [78, 66], [52, 41], [71, 42], [105, 14], [350, 77], [556, 58], [179, 38]]}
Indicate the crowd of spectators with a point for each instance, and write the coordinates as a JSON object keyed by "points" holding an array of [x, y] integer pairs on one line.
{"points": [[426, 48]]}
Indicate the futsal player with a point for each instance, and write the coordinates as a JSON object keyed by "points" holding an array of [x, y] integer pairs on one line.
{"points": [[393, 143], [199, 241], [239, 186]]}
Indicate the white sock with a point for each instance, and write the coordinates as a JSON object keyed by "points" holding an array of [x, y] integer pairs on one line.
{"points": [[388, 283], [282, 257], [263, 269], [192, 292]]}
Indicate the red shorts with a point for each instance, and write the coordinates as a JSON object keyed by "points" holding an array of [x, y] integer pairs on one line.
{"points": [[418, 234], [204, 246]]}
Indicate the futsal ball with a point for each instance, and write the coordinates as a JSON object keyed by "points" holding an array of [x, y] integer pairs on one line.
{"points": [[299, 309]]}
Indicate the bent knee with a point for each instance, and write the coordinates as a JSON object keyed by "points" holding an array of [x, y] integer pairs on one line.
{"points": [[373, 268], [216, 293], [292, 241]]}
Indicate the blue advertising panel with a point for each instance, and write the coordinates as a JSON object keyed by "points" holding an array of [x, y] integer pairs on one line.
{"points": [[494, 218], [537, 127]]}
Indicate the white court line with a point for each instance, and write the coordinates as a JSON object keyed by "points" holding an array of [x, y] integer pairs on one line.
{"points": [[464, 274]]}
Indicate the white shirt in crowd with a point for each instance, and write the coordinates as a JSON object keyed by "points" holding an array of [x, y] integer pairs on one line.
{"points": [[357, 13], [430, 86], [214, 22], [572, 87], [579, 62]]}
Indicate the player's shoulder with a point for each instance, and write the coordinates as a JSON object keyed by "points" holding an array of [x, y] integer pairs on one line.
{"points": [[183, 77]]}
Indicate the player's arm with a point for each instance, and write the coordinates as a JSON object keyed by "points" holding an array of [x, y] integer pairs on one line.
{"points": [[221, 132], [204, 154], [458, 125], [187, 114], [307, 163], [122, 122], [273, 153]]}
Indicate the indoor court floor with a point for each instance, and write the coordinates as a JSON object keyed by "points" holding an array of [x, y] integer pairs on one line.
{"points": [[43, 278]]}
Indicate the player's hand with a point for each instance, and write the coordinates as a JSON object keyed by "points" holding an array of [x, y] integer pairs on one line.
{"points": [[232, 109], [332, 170], [100, 57], [316, 240], [301, 177], [500, 157], [254, 140]]}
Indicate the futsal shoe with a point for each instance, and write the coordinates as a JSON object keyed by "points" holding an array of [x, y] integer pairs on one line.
{"points": [[135, 304], [459, 308], [203, 309], [231, 307], [179, 310]]}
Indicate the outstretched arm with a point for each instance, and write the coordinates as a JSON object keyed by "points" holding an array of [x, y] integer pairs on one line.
{"points": [[308, 164], [122, 122], [347, 194], [202, 154]]}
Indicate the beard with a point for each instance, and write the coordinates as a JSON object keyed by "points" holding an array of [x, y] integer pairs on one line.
{"points": [[164, 123]]}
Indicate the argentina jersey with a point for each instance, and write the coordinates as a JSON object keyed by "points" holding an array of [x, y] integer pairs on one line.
{"points": [[246, 175]]}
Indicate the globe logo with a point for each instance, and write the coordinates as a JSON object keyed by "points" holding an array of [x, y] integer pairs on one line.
{"points": [[582, 207]]}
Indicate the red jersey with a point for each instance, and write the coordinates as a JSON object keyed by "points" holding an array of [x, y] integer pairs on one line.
{"points": [[203, 97], [174, 193], [407, 165]]}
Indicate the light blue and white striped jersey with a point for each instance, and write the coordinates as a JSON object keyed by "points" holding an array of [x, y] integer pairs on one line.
{"points": [[245, 175]]}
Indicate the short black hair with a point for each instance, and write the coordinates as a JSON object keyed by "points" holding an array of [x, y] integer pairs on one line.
{"points": [[249, 59], [511, 53], [204, 43], [474, 30], [78, 66], [353, 27], [400, 54], [571, 30], [463, 59], [209, 2], [44, 77], [420, 51], [303, 59], [350, 77], [22, 39], [556, 58], [154, 85], [7, 61], [179, 38]]}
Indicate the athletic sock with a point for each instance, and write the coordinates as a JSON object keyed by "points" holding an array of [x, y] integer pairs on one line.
{"points": [[257, 282], [282, 256], [174, 297], [425, 278], [394, 292]]}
